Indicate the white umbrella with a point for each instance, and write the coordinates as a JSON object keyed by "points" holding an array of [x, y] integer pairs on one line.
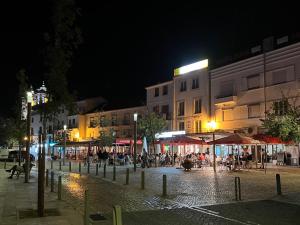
{"points": [[145, 146]]}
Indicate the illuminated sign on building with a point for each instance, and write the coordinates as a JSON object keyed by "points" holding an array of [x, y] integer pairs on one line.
{"points": [[192, 67], [169, 134]]}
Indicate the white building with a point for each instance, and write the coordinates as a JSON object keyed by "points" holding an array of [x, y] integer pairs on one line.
{"points": [[244, 90], [160, 100]]}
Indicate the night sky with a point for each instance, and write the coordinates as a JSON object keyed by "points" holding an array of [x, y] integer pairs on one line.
{"points": [[127, 47]]}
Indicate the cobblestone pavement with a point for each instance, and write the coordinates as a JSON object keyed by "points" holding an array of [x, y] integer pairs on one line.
{"points": [[190, 195], [197, 197]]}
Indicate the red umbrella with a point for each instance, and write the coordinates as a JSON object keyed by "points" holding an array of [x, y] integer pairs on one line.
{"points": [[182, 140], [236, 139], [270, 139]]}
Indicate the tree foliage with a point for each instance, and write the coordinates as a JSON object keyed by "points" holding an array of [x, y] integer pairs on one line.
{"points": [[107, 135], [151, 124], [61, 42], [286, 124]]}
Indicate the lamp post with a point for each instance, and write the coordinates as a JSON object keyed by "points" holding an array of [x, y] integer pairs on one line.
{"points": [[135, 115], [64, 152], [28, 125], [212, 126]]}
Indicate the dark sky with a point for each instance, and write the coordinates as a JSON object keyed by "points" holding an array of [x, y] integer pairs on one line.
{"points": [[127, 47]]}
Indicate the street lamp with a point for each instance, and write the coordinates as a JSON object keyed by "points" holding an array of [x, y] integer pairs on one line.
{"points": [[212, 125], [135, 115], [29, 99], [65, 130]]}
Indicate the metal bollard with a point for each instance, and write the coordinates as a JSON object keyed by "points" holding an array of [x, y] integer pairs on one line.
{"points": [[59, 188], [127, 176], [164, 185], [143, 180], [52, 181], [117, 215], [59, 165], [80, 167], [86, 208], [114, 173], [88, 168], [104, 170], [237, 188], [99, 163], [47, 177], [96, 169], [70, 166], [51, 164], [278, 184]]}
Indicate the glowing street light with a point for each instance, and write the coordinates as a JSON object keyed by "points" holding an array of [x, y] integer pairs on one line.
{"points": [[212, 125], [65, 130], [135, 117]]}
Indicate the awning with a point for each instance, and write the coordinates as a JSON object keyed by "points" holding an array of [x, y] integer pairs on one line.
{"points": [[270, 139], [236, 139], [182, 140]]}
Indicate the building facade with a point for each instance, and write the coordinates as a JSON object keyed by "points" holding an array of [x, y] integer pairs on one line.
{"points": [[160, 100], [243, 91]]}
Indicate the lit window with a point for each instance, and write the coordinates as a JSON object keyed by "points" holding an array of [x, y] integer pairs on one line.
{"points": [[197, 106]]}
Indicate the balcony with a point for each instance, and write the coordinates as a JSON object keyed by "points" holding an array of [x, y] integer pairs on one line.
{"points": [[228, 100]]}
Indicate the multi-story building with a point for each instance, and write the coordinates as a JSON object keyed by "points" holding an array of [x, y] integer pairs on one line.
{"points": [[243, 91], [119, 120], [160, 100], [186, 95], [190, 100]]}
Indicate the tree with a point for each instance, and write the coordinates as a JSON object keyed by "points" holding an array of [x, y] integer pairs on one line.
{"points": [[61, 43], [150, 125], [283, 121], [107, 135]]}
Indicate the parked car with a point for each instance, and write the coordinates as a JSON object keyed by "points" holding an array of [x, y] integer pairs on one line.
{"points": [[15, 155]]}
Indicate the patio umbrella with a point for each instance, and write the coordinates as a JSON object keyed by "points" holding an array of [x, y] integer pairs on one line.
{"points": [[235, 139], [145, 146], [269, 139], [182, 140]]}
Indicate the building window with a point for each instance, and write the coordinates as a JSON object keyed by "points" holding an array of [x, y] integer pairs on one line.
{"points": [[181, 126], [165, 111], [183, 86], [253, 82], [92, 122], [227, 115], [197, 106], [281, 107], [156, 109], [69, 122], [226, 89], [195, 83], [279, 77], [73, 122], [198, 126], [126, 120], [180, 109], [32, 119], [254, 111], [156, 92], [114, 119], [102, 121], [31, 132], [165, 90]]}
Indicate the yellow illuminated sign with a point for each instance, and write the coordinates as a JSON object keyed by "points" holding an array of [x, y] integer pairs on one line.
{"points": [[192, 67]]}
